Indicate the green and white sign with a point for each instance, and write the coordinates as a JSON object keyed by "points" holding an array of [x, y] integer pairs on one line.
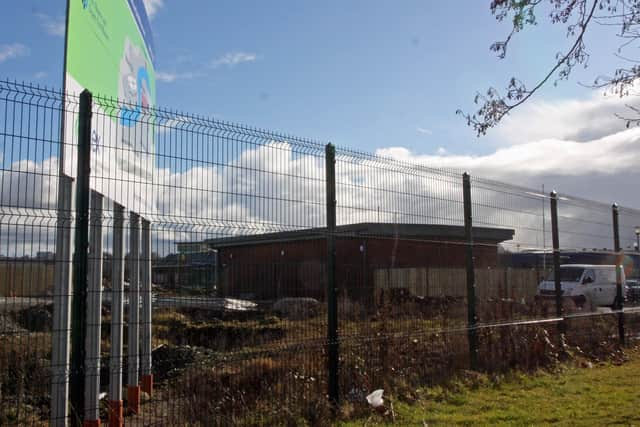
{"points": [[109, 50]]}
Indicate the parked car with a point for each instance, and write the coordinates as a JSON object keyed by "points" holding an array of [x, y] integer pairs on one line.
{"points": [[633, 290], [584, 282]]}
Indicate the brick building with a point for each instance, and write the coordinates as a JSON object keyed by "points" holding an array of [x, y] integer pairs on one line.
{"points": [[292, 263]]}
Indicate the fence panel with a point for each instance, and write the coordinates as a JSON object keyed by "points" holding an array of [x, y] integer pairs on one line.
{"points": [[401, 255], [213, 259], [238, 265], [29, 143]]}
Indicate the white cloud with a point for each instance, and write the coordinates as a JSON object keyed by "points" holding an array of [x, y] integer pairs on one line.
{"points": [[604, 169], [38, 179], [424, 131], [255, 192], [227, 60], [28, 192], [11, 51], [170, 77], [234, 58], [152, 7], [54, 26], [614, 154], [271, 185], [40, 75], [577, 120]]}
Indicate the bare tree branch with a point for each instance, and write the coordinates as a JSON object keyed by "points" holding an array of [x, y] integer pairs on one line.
{"points": [[577, 15]]}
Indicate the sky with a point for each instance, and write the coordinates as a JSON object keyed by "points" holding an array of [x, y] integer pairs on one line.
{"points": [[371, 75]]}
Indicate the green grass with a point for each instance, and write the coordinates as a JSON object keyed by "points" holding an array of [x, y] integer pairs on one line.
{"points": [[605, 394]]}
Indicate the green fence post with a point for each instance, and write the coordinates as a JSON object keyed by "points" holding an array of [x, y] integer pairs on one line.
{"points": [[556, 253], [80, 258], [618, 250], [472, 318], [332, 300]]}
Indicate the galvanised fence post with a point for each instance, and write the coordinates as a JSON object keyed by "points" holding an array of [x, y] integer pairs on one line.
{"points": [[93, 312], [80, 258], [60, 334], [133, 321], [472, 318], [618, 306], [555, 236], [116, 412], [332, 300]]}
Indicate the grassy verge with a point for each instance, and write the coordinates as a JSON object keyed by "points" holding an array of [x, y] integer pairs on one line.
{"points": [[603, 394]]}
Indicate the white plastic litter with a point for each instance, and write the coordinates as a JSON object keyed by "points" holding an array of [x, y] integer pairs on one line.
{"points": [[375, 399]]}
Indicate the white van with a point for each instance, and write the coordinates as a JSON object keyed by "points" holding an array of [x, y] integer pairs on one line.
{"points": [[584, 282]]}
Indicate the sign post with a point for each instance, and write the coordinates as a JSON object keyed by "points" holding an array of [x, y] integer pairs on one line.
{"points": [[145, 332], [108, 51], [116, 413], [133, 324], [60, 336], [94, 316]]}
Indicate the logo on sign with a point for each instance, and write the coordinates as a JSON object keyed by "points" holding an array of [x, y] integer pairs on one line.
{"points": [[85, 4]]}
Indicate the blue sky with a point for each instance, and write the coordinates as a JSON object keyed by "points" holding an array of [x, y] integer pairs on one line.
{"points": [[363, 74], [372, 75]]}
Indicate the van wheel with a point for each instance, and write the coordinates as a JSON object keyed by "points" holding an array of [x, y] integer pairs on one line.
{"points": [[614, 305], [579, 301]]}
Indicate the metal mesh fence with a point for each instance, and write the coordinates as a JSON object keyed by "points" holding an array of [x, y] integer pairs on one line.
{"points": [[217, 274]]}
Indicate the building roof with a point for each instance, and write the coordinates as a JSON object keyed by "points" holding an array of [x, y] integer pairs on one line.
{"points": [[371, 229]]}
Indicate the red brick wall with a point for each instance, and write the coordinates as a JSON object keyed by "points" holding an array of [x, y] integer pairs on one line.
{"points": [[275, 270], [262, 271]]}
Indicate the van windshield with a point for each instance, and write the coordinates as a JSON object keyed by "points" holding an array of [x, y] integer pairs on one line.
{"points": [[568, 274]]}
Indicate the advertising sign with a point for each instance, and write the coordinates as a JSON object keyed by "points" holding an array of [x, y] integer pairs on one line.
{"points": [[109, 50]]}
